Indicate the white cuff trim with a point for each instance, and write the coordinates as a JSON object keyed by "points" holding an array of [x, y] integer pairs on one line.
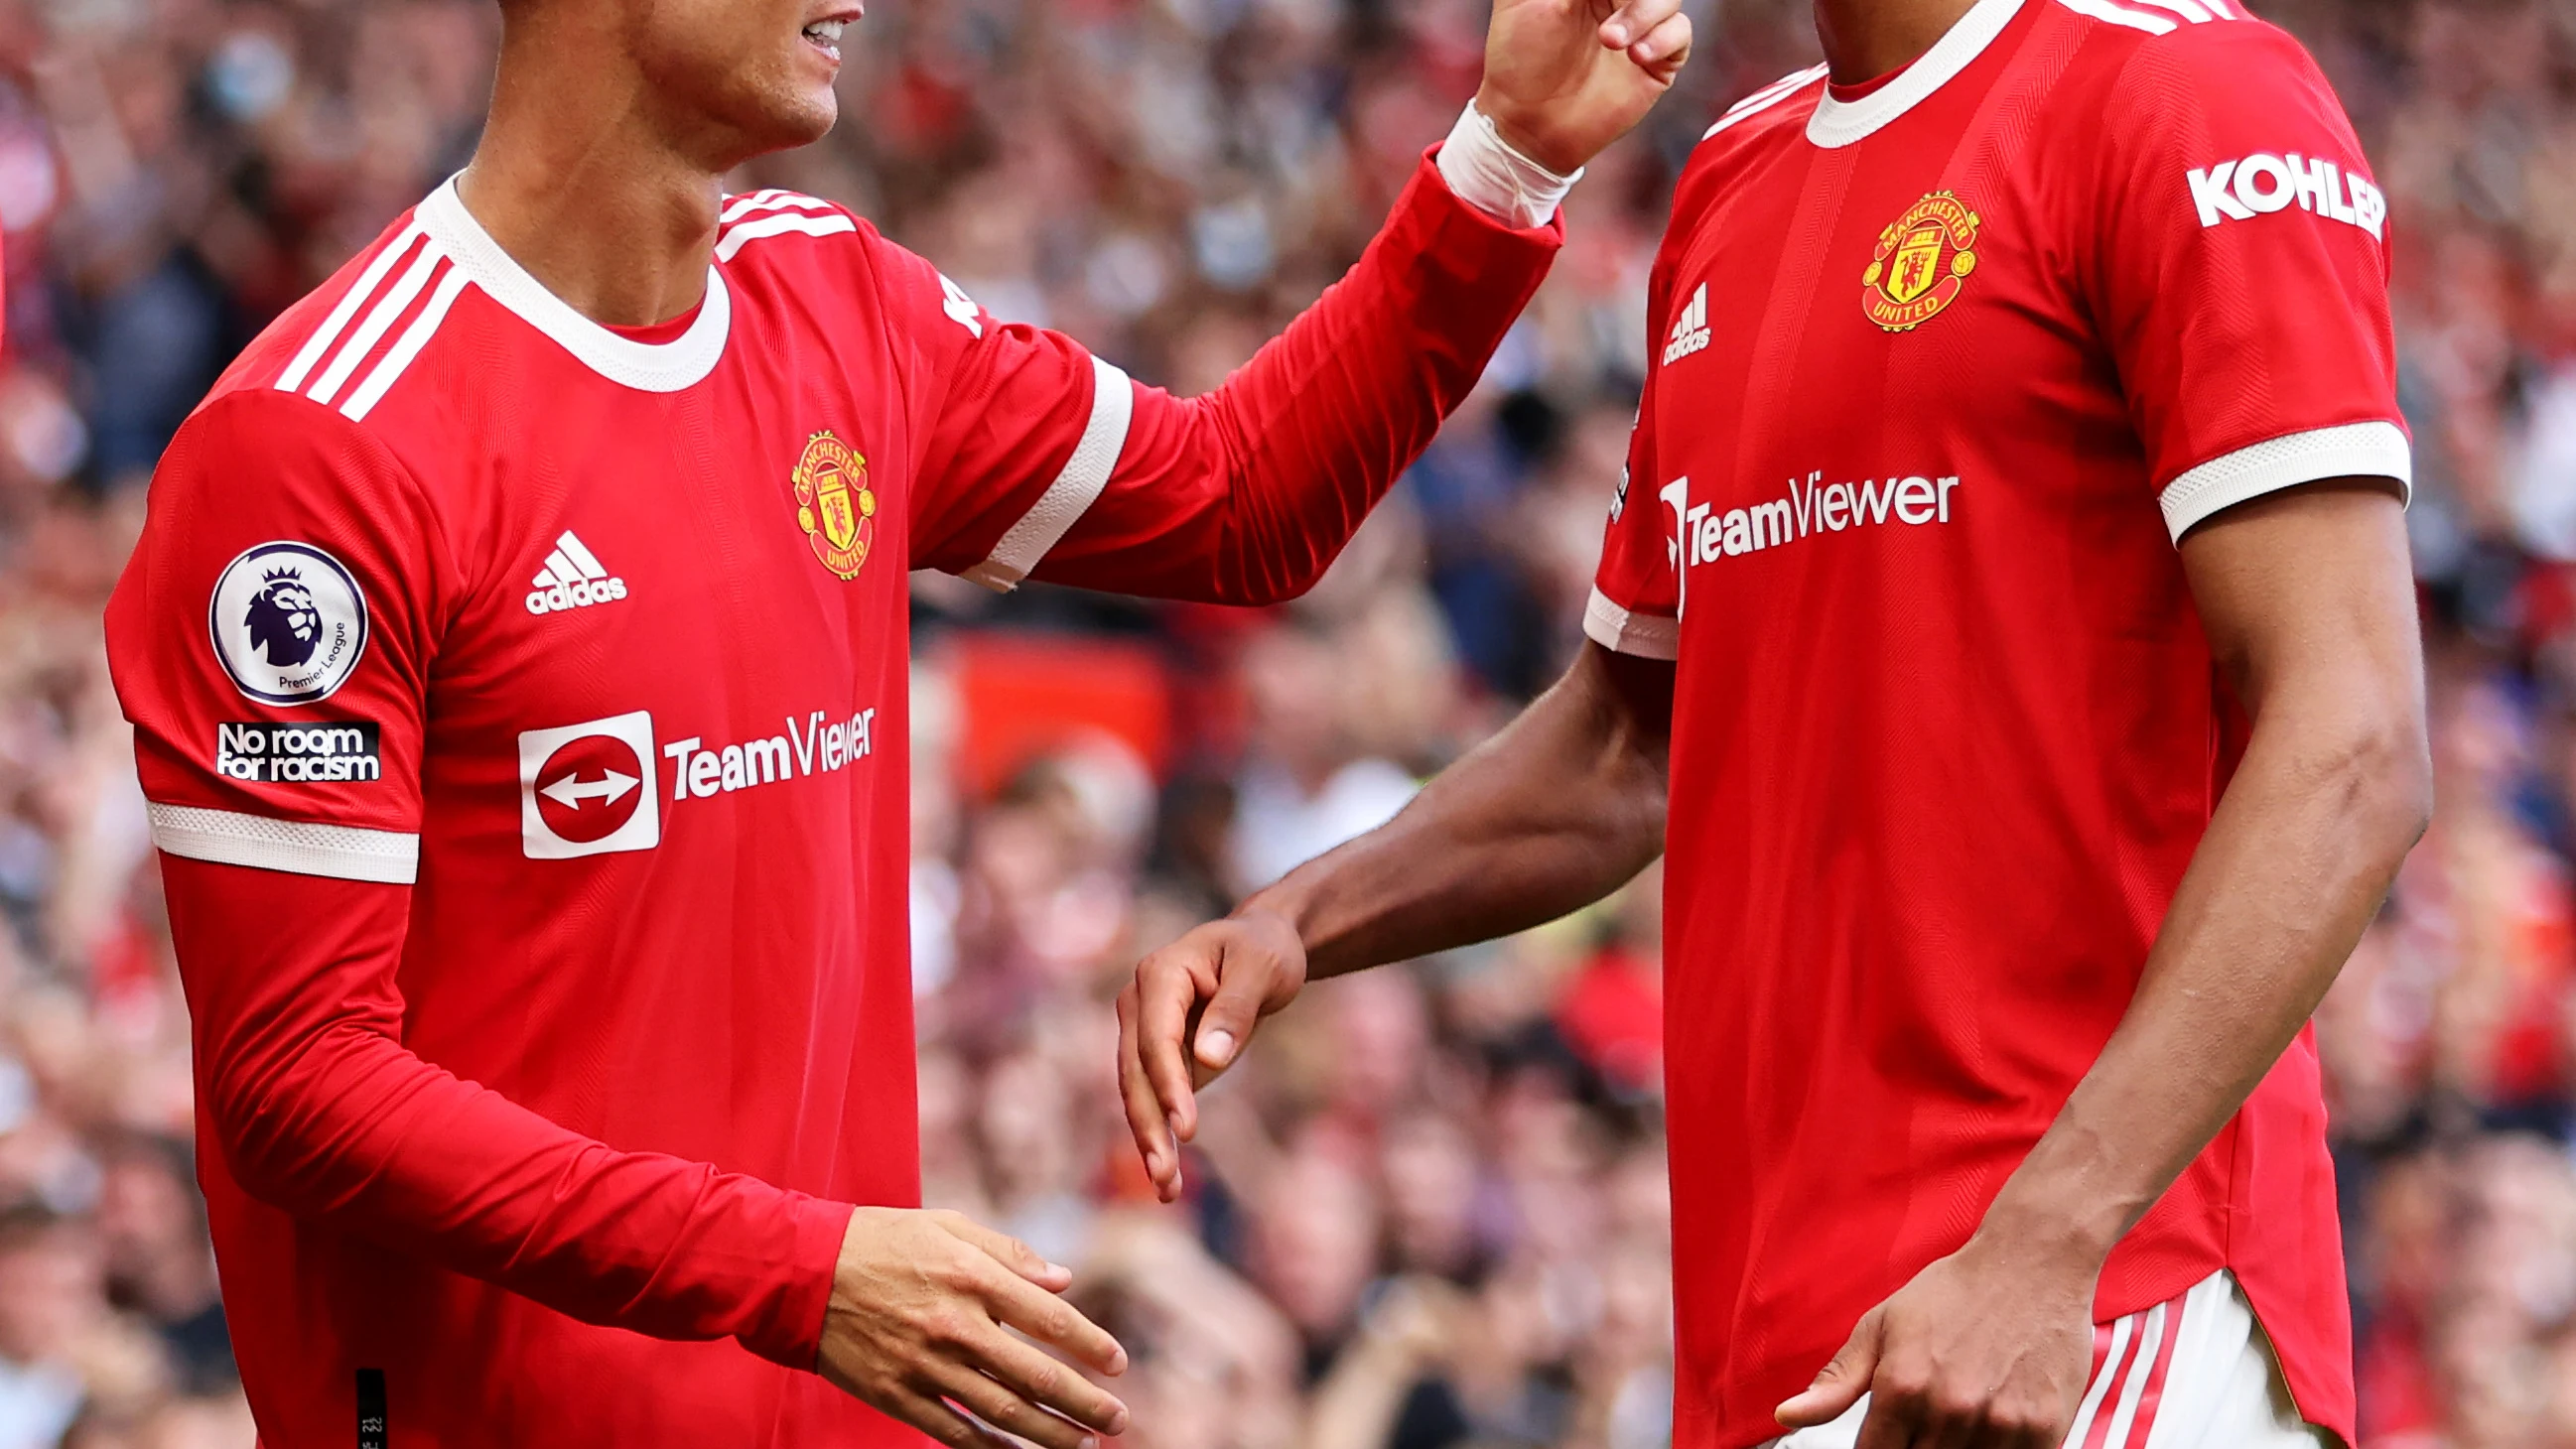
{"points": [[1623, 631], [228, 837], [1486, 172], [2354, 450], [1113, 406]]}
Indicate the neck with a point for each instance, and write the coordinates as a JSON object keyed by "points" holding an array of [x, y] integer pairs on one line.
{"points": [[579, 179], [1865, 39]]}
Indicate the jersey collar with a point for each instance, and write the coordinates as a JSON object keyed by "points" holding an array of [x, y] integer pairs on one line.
{"points": [[1840, 123], [682, 362]]}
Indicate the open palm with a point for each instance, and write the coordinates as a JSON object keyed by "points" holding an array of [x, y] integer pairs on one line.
{"points": [[1565, 78]]}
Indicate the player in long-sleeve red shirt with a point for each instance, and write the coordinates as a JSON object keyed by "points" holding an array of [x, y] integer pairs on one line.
{"points": [[517, 655]]}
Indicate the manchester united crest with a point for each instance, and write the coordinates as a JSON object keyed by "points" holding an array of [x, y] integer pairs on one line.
{"points": [[834, 505], [1923, 261]]}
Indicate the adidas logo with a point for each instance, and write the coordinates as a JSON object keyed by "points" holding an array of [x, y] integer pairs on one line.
{"points": [[572, 579], [1690, 329]]}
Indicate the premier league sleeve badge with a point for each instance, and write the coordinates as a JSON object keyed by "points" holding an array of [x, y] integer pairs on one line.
{"points": [[288, 623]]}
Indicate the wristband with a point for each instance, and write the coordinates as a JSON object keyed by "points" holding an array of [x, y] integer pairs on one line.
{"points": [[1484, 171]]}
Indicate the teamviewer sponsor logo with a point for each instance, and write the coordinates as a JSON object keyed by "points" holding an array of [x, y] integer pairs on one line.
{"points": [[1703, 533], [2263, 183], [323, 752], [587, 789], [817, 744], [1690, 329], [572, 579]]}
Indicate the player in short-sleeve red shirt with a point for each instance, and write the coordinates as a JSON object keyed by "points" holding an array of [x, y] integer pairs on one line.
{"points": [[2007, 593], [517, 655]]}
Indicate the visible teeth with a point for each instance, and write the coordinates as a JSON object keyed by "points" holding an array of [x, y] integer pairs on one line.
{"points": [[826, 31]]}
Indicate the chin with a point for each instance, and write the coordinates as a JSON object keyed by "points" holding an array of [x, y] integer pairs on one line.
{"points": [[799, 118], [776, 126], [771, 109], [815, 119]]}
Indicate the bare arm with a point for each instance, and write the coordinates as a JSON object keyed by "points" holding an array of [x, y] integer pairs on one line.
{"points": [[2309, 605], [2310, 609], [1559, 809]]}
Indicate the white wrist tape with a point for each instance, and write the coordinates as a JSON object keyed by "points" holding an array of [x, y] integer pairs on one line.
{"points": [[1484, 171]]}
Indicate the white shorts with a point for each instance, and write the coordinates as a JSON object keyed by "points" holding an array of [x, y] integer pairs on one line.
{"points": [[2219, 1388]]}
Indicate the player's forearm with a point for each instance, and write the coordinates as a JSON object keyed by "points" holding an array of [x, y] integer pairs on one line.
{"points": [[1248, 493], [1561, 808], [1336, 408], [2334, 788], [320, 1110], [2295, 863]]}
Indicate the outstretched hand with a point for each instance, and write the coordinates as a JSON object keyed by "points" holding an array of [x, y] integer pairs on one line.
{"points": [[1565, 78], [1186, 1017]]}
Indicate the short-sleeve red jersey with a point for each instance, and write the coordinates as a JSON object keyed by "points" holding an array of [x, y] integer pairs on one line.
{"points": [[595, 640], [1945, 367]]}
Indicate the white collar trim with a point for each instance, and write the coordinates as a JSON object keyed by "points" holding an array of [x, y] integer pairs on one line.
{"points": [[1840, 123], [682, 362]]}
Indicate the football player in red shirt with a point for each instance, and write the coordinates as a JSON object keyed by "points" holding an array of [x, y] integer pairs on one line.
{"points": [[2005, 627], [516, 652]]}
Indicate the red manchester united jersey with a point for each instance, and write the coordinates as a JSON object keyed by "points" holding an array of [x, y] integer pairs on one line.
{"points": [[1945, 367], [521, 703]]}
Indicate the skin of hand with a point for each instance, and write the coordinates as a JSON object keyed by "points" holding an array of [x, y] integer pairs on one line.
{"points": [[922, 1304], [1212, 983], [1990, 1346], [1564, 78], [2309, 604], [1561, 808]]}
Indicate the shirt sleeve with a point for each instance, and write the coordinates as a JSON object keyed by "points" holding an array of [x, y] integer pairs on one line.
{"points": [[1043, 460], [1636, 602], [2242, 273], [271, 641]]}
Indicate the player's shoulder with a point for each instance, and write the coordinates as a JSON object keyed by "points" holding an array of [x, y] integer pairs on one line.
{"points": [[812, 248], [292, 409], [807, 244], [320, 347], [777, 229], [246, 447], [1766, 117], [2144, 58], [1765, 123], [374, 352]]}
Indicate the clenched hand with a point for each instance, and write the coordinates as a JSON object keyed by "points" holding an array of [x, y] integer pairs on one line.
{"points": [[1565, 78]]}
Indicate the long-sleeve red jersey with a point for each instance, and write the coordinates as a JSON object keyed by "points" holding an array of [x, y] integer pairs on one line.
{"points": [[521, 703]]}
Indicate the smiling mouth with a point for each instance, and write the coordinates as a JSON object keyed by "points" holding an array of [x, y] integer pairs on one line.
{"points": [[825, 36]]}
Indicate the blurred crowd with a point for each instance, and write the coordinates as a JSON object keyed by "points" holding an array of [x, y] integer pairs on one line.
{"points": [[1429, 1211]]}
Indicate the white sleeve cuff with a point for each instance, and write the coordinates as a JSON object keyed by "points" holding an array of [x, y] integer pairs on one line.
{"points": [[1623, 631], [1485, 172], [2354, 450], [228, 837], [1095, 458]]}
